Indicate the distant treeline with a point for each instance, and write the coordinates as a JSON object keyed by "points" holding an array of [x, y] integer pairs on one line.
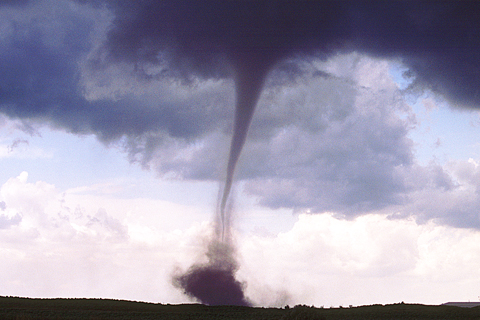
{"points": [[45, 309]]}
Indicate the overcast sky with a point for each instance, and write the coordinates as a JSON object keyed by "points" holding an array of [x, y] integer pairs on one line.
{"points": [[359, 182]]}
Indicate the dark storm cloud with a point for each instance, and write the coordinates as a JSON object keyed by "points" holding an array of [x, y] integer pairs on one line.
{"points": [[437, 40], [40, 74], [41, 80], [13, 2], [193, 36], [343, 157]]}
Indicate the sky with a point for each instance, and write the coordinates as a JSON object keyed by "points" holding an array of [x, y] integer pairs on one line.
{"points": [[358, 182]]}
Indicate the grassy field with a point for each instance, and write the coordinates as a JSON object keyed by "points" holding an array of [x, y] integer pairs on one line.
{"points": [[25, 308]]}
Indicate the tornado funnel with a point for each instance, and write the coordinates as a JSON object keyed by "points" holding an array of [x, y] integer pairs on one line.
{"points": [[250, 76]]}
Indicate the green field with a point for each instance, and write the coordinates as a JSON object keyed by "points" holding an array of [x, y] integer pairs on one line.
{"points": [[25, 308]]}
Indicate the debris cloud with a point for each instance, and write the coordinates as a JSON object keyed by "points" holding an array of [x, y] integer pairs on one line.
{"points": [[214, 282]]}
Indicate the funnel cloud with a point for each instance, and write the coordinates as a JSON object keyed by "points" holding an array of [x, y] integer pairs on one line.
{"points": [[248, 83]]}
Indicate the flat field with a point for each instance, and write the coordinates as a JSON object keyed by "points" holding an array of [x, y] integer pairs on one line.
{"points": [[45, 309]]}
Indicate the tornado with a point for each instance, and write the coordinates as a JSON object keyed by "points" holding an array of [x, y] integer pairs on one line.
{"points": [[214, 282], [249, 79]]}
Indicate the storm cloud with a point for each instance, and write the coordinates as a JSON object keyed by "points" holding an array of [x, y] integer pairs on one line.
{"points": [[330, 131], [190, 40], [436, 40]]}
